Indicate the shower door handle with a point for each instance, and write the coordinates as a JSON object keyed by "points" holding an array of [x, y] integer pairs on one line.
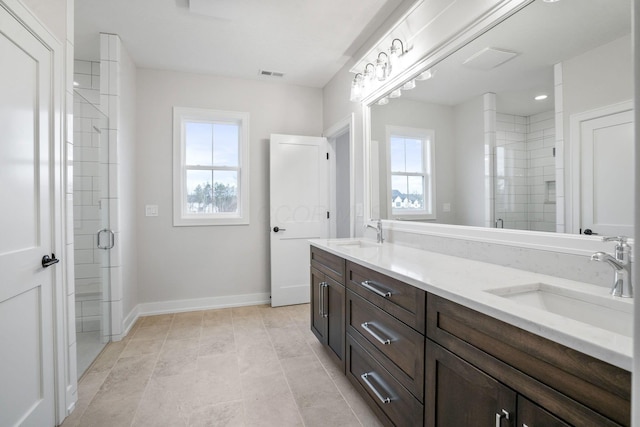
{"points": [[112, 239]]}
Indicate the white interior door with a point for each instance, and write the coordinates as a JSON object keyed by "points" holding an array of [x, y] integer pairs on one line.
{"points": [[26, 287], [607, 174], [299, 200]]}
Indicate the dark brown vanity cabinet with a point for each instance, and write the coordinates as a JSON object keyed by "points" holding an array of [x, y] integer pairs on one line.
{"points": [[328, 302], [463, 395], [385, 344], [420, 359], [487, 359]]}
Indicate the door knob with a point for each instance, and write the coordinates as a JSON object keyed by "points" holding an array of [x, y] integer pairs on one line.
{"points": [[276, 229], [49, 261]]}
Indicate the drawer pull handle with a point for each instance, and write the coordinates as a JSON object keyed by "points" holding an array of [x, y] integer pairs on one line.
{"points": [[378, 338], [368, 284], [499, 416], [365, 378]]}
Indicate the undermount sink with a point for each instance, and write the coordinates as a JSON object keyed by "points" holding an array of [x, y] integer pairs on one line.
{"points": [[602, 311], [354, 243]]}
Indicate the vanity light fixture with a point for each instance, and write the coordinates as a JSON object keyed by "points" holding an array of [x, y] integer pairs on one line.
{"points": [[541, 97], [395, 52], [356, 88], [425, 75], [382, 67], [411, 84], [368, 76], [383, 101], [395, 93]]}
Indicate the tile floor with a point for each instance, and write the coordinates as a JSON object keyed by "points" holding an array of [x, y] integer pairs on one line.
{"points": [[89, 345], [248, 366]]}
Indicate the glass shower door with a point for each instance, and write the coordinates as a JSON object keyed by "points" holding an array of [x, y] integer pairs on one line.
{"points": [[92, 236]]}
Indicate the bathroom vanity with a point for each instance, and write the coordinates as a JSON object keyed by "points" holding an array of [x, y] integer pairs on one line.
{"points": [[435, 340]]}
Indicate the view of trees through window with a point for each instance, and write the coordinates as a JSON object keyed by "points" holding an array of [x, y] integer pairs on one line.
{"points": [[207, 198], [212, 167], [407, 173]]}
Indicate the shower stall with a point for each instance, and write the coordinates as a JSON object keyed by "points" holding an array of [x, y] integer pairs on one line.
{"points": [[93, 238]]}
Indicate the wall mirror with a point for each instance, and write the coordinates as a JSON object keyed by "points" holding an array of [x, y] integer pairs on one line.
{"points": [[529, 126]]}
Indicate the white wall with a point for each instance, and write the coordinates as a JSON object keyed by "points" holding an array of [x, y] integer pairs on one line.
{"points": [[336, 107], [177, 263], [469, 205], [635, 394], [53, 14], [416, 114], [597, 78], [343, 196]]}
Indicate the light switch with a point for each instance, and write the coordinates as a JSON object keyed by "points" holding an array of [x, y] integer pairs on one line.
{"points": [[151, 210], [446, 207]]}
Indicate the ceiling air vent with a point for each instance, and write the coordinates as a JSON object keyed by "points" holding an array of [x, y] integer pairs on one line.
{"points": [[489, 58], [270, 73]]}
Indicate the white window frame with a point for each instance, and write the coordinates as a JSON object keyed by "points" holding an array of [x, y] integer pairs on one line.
{"points": [[429, 179], [180, 216]]}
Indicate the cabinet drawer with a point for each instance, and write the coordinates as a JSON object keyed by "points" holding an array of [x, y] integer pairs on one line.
{"points": [[329, 264], [399, 299], [401, 348], [576, 387], [386, 395]]}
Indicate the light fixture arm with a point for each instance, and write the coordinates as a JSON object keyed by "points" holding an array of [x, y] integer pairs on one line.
{"points": [[366, 68], [401, 45]]}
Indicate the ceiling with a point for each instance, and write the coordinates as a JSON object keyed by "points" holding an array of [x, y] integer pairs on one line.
{"points": [[308, 41], [542, 34]]}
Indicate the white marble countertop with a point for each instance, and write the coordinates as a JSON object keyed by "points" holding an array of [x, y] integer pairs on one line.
{"points": [[466, 282]]}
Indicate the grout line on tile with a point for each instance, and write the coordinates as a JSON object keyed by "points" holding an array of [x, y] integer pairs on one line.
{"points": [[146, 387]]}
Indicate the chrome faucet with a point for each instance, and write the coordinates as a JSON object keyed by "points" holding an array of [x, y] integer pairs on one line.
{"points": [[621, 264], [378, 228]]}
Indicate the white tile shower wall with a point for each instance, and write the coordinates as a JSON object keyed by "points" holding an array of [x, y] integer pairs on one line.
{"points": [[86, 192], [525, 190], [511, 168], [110, 47], [490, 134], [542, 172]]}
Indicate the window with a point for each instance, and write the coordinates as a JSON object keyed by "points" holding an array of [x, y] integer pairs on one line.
{"points": [[210, 167], [411, 172]]}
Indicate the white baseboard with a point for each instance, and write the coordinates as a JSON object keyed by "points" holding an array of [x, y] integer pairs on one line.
{"points": [[128, 322], [180, 306]]}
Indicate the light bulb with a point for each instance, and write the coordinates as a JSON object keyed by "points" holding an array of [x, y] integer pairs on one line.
{"points": [[409, 85], [425, 75]]}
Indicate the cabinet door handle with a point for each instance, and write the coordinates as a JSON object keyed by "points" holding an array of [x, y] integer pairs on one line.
{"points": [[378, 338], [368, 284], [365, 378], [323, 285], [500, 415]]}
